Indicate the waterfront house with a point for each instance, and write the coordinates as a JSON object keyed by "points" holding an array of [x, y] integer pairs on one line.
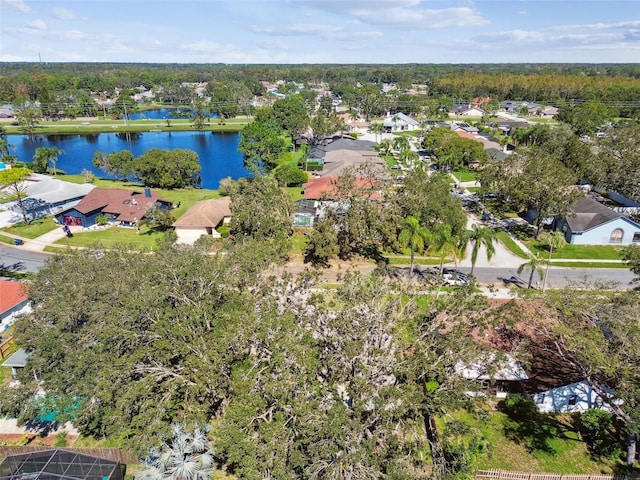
{"points": [[122, 207]]}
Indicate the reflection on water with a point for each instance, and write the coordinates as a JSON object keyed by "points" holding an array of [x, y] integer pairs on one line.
{"points": [[218, 152]]}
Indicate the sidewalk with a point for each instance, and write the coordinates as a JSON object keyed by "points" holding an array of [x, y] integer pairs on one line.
{"points": [[38, 244]]}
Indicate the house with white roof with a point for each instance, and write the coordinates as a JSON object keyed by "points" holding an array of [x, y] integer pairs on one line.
{"points": [[575, 397], [496, 371], [399, 122], [46, 195]]}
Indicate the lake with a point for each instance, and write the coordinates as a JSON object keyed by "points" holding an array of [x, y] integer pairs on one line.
{"points": [[219, 156], [164, 113]]}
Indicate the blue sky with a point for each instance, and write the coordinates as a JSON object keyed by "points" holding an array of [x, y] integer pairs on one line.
{"points": [[320, 31]]}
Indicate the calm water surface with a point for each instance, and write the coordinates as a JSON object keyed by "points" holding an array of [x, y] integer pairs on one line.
{"points": [[218, 152]]}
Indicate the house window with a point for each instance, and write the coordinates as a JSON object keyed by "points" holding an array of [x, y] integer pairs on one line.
{"points": [[636, 237], [572, 400], [616, 236]]}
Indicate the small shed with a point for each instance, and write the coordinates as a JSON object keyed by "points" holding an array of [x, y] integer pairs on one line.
{"points": [[60, 464], [17, 361]]}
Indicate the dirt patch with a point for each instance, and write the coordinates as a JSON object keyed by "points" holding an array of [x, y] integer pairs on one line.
{"points": [[33, 439]]}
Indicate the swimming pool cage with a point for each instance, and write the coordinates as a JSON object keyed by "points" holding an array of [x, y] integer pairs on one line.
{"points": [[59, 464]]}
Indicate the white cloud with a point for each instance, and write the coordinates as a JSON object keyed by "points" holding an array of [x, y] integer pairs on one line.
{"points": [[71, 35], [324, 31], [299, 29], [63, 13], [273, 45], [400, 13], [18, 5], [600, 26], [203, 46], [37, 24], [523, 12]]}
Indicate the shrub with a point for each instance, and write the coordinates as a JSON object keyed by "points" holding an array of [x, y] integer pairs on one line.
{"points": [[102, 219], [596, 428], [290, 176], [61, 440], [223, 231]]}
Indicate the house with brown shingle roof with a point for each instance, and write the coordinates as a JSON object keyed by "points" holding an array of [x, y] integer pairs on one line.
{"points": [[122, 207], [203, 218]]}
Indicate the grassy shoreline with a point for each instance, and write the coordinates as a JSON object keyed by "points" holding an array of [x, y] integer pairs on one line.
{"points": [[101, 125]]}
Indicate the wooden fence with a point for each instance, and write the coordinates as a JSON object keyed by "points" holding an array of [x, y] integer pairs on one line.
{"points": [[507, 475], [116, 454], [5, 348]]}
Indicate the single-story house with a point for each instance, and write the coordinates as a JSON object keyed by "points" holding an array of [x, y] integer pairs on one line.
{"points": [[399, 122], [46, 195], [203, 218], [465, 127], [499, 372], [575, 397], [324, 188], [592, 223], [124, 207], [14, 300], [467, 110], [335, 162]]}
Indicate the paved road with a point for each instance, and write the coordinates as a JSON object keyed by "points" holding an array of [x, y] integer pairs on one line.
{"points": [[18, 260], [558, 277]]}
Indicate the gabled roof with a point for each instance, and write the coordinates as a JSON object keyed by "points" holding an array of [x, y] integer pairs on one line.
{"points": [[389, 120], [126, 205], [336, 161], [12, 293], [205, 213], [52, 190], [588, 214], [492, 366], [575, 397]]}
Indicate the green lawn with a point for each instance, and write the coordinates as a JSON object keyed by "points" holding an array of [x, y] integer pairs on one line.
{"points": [[508, 242], [587, 252], [6, 239], [109, 125], [295, 193], [465, 175], [588, 264], [553, 446], [37, 227], [113, 237]]}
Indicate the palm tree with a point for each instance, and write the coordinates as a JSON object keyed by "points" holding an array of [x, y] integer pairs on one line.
{"points": [[446, 244], [401, 143], [479, 236], [376, 128], [186, 456], [555, 241], [48, 155], [535, 263], [414, 236]]}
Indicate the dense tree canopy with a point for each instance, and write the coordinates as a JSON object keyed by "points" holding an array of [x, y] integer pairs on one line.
{"points": [[293, 386], [176, 168], [261, 144]]}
